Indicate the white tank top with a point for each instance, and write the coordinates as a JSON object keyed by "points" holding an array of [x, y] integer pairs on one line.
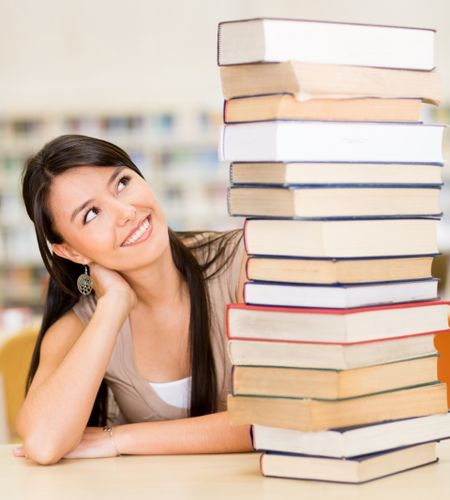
{"points": [[176, 393]]}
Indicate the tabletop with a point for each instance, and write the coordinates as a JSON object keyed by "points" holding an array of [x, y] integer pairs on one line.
{"points": [[230, 476]]}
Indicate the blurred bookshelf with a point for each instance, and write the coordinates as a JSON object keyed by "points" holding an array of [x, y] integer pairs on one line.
{"points": [[176, 152]]}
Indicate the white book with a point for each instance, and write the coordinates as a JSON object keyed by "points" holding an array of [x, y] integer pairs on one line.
{"points": [[301, 141], [339, 296], [277, 40], [353, 441]]}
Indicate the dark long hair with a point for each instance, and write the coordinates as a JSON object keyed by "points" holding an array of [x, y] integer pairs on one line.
{"points": [[69, 151]]}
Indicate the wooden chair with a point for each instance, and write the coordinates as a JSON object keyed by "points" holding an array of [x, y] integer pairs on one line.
{"points": [[15, 357]]}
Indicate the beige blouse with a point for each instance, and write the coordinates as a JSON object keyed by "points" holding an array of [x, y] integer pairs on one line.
{"points": [[136, 399]]}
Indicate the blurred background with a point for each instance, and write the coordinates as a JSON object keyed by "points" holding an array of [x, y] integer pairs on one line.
{"points": [[143, 75]]}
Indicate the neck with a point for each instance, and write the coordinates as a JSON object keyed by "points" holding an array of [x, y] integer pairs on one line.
{"points": [[159, 283]]}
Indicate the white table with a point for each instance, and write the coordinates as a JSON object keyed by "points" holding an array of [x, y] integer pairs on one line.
{"points": [[215, 477]]}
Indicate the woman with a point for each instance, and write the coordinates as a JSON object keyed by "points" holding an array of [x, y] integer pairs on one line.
{"points": [[152, 327]]}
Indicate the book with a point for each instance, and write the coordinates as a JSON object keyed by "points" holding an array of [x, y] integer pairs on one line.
{"points": [[354, 441], [275, 39], [317, 415], [353, 470], [334, 201], [328, 384], [338, 271], [284, 174], [337, 356], [287, 107], [294, 141], [329, 81], [335, 325], [339, 296], [340, 238]]}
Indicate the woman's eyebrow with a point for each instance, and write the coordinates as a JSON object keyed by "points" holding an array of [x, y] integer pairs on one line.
{"points": [[113, 177]]}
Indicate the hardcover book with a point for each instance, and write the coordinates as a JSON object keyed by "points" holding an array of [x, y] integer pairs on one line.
{"points": [[341, 238], [334, 201], [351, 470], [336, 325], [354, 441], [274, 40], [295, 141]]}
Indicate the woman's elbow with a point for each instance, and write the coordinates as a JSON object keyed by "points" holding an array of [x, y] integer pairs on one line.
{"points": [[41, 453]]}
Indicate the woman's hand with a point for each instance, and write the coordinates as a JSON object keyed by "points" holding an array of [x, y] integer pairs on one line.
{"points": [[108, 283], [95, 443]]}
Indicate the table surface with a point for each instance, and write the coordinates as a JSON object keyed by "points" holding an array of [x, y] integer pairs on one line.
{"points": [[231, 476]]}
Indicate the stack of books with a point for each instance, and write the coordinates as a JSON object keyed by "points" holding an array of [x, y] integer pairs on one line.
{"points": [[333, 354]]}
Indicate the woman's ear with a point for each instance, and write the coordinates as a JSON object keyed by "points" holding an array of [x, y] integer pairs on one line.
{"points": [[67, 252]]}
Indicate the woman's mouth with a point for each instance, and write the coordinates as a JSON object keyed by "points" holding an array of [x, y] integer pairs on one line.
{"points": [[140, 234]]}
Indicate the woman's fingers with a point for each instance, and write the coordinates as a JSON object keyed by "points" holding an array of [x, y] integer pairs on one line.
{"points": [[19, 452]]}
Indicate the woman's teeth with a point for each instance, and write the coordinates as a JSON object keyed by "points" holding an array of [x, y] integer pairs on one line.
{"points": [[137, 234]]}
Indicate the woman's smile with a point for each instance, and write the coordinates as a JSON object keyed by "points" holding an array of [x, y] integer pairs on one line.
{"points": [[139, 234]]}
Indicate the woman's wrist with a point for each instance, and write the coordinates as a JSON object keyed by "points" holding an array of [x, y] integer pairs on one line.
{"points": [[115, 302], [109, 430]]}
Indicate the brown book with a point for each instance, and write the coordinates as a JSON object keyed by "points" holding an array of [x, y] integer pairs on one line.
{"points": [[287, 107], [334, 271], [333, 201], [325, 81], [316, 415], [282, 173], [332, 384]]}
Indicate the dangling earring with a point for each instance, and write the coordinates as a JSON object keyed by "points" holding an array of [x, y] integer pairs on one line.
{"points": [[84, 282]]}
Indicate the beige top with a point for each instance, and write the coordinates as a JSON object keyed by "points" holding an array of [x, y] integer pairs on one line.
{"points": [[136, 399]]}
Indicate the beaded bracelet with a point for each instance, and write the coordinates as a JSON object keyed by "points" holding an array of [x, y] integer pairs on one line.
{"points": [[109, 430]]}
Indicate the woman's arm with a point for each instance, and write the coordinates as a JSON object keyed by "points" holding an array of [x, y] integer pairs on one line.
{"points": [[72, 365], [206, 434]]}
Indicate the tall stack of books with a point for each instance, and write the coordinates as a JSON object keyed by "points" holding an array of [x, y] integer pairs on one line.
{"points": [[333, 354]]}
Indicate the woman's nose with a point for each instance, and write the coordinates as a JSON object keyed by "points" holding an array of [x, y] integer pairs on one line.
{"points": [[125, 213]]}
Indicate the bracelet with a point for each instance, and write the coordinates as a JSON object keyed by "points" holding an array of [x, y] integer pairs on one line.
{"points": [[109, 430]]}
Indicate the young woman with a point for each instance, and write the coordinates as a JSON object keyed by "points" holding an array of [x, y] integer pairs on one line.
{"points": [[151, 332]]}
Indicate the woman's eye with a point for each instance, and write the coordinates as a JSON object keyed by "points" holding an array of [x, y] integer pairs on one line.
{"points": [[90, 214], [123, 182]]}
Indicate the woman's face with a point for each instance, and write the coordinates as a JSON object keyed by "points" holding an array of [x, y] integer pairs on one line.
{"points": [[107, 215]]}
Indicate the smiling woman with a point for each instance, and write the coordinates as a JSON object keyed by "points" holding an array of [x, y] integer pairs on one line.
{"points": [[154, 323]]}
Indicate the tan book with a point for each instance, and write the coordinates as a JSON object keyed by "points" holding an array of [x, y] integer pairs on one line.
{"points": [[338, 356], [333, 271], [287, 107], [332, 384], [340, 238], [353, 470], [328, 81], [334, 173], [333, 201], [315, 415]]}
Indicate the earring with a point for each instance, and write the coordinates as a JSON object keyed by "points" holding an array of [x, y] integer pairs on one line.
{"points": [[84, 282]]}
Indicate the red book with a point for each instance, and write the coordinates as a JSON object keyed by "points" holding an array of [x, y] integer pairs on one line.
{"points": [[292, 324]]}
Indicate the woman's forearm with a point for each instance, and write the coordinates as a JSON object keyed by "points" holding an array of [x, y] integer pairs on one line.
{"points": [[206, 434], [54, 414]]}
